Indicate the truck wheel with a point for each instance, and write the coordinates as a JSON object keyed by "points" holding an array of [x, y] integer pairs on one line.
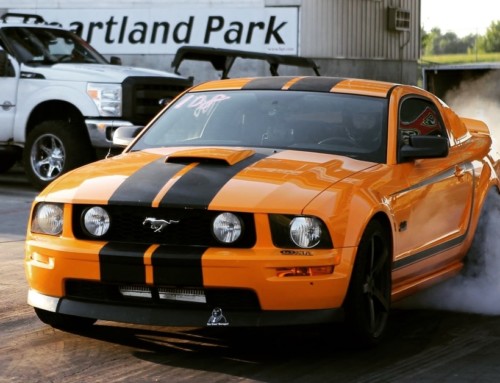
{"points": [[53, 148], [369, 294]]}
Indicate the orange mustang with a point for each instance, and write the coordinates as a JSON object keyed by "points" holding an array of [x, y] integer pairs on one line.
{"points": [[265, 201]]}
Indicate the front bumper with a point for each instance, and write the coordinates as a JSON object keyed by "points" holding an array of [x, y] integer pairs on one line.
{"points": [[65, 276], [165, 316]]}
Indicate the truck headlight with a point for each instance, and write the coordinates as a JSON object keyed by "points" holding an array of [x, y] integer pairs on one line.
{"points": [[107, 97], [47, 219]]}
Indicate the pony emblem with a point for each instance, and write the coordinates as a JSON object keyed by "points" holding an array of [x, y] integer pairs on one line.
{"points": [[157, 225]]}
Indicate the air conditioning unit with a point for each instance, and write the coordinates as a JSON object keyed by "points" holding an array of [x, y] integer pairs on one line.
{"points": [[398, 19]]}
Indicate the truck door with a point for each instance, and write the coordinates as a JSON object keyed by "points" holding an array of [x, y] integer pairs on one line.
{"points": [[9, 78]]}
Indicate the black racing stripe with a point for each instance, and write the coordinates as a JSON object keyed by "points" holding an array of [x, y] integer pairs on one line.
{"points": [[143, 186], [178, 266], [268, 83], [406, 261], [123, 262], [316, 84], [199, 186]]}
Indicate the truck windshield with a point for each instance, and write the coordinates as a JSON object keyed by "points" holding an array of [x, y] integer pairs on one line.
{"points": [[49, 46]]}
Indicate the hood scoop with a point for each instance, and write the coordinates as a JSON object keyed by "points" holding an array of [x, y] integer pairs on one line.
{"points": [[210, 155]]}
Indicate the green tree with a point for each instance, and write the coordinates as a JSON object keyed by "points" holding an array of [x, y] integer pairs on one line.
{"points": [[435, 43], [490, 42]]}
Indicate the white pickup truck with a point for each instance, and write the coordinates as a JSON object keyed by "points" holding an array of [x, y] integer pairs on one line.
{"points": [[60, 100]]}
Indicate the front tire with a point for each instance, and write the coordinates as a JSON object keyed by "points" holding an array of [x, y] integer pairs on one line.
{"points": [[369, 294], [53, 148], [63, 321]]}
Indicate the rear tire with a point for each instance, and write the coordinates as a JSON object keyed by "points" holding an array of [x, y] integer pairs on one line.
{"points": [[53, 148], [369, 294], [482, 252], [63, 321]]}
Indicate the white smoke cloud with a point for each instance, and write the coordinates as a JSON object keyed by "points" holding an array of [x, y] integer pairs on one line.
{"points": [[477, 288], [479, 99]]}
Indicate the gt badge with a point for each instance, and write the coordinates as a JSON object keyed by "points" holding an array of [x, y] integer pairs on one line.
{"points": [[217, 318], [158, 224]]}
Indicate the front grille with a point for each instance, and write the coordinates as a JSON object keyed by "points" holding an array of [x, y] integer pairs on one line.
{"points": [[229, 299], [142, 95], [194, 226]]}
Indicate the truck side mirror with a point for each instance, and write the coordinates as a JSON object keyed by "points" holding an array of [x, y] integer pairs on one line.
{"points": [[115, 60], [4, 63], [124, 135]]}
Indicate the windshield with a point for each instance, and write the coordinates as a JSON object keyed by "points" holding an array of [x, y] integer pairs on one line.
{"points": [[49, 46], [349, 125]]}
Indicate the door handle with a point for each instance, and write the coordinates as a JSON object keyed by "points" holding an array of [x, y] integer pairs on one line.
{"points": [[459, 171], [6, 105]]}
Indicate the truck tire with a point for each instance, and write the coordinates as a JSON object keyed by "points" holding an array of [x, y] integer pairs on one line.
{"points": [[53, 148]]}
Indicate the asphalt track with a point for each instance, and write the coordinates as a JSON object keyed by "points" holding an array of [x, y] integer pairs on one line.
{"points": [[424, 344]]}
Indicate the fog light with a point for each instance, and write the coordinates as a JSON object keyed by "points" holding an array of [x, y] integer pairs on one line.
{"points": [[96, 221], [304, 271], [227, 228]]}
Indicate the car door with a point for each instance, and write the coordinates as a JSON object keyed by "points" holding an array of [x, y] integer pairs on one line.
{"points": [[9, 79], [434, 210]]}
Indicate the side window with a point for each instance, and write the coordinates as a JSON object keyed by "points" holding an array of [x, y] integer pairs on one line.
{"points": [[418, 116], [6, 68]]}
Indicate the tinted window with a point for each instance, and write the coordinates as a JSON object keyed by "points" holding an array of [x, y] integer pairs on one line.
{"points": [[418, 116], [325, 122], [49, 46]]}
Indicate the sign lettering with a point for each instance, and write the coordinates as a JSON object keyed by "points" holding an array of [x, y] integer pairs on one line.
{"points": [[161, 31]]}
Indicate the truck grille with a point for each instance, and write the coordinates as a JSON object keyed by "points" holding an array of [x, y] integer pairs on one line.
{"points": [[142, 95], [194, 226]]}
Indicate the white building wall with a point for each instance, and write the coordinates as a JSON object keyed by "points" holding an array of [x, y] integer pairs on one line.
{"points": [[347, 37], [357, 29]]}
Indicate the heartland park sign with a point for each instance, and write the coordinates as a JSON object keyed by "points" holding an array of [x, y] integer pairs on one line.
{"points": [[164, 30]]}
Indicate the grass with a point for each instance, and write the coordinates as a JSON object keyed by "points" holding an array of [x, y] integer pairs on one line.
{"points": [[460, 58]]}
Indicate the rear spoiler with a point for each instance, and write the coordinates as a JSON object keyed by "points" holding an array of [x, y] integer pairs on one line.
{"points": [[223, 59]]}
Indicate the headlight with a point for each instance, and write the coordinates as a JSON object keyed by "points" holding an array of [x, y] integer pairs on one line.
{"points": [[48, 219], [107, 97], [305, 231], [96, 221], [227, 227]]}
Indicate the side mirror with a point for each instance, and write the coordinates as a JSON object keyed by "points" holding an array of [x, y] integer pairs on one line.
{"points": [[4, 63], [115, 60], [124, 135], [424, 147]]}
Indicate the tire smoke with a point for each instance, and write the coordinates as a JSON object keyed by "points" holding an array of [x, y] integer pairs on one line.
{"points": [[477, 288]]}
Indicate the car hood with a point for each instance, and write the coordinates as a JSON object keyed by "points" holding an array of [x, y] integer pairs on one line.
{"points": [[94, 72], [214, 178]]}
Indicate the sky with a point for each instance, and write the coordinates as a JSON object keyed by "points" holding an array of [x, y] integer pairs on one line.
{"points": [[463, 17]]}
